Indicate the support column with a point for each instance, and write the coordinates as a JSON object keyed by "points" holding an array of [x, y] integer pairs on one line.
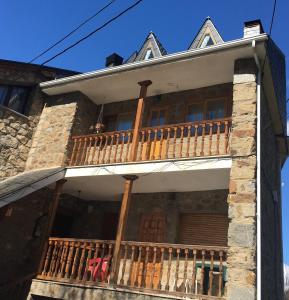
{"points": [[129, 179], [241, 259], [138, 119], [51, 217]]}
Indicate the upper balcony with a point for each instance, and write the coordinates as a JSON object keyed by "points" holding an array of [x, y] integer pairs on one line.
{"points": [[183, 125]]}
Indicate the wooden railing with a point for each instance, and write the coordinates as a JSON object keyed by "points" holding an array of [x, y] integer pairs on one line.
{"points": [[185, 270], [78, 261], [204, 138]]}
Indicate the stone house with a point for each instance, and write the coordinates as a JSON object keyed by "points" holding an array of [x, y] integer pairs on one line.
{"points": [[157, 177]]}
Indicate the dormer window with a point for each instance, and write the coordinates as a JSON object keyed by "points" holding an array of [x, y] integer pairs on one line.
{"points": [[149, 54], [207, 41]]}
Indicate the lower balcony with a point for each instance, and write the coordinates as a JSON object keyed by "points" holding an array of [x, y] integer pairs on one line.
{"points": [[192, 271]]}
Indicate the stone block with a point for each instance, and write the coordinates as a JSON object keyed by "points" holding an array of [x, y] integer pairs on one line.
{"points": [[241, 258], [242, 235], [244, 168], [237, 292], [241, 211]]}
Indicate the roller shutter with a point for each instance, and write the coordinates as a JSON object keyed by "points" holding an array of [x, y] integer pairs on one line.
{"points": [[203, 229]]}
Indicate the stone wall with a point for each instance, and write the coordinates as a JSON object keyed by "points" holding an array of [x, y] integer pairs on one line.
{"points": [[271, 227], [242, 188], [15, 140], [61, 117]]}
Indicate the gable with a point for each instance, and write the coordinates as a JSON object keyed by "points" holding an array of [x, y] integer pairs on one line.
{"points": [[208, 35]]}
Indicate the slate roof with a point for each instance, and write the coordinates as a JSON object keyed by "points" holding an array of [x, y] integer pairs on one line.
{"points": [[207, 27]]}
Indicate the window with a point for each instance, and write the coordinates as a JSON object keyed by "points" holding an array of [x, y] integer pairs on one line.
{"points": [[215, 109], [195, 112], [119, 122], [149, 54], [157, 117], [14, 97], [207, 41]]}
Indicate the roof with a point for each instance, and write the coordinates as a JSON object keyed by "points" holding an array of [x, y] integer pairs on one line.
{"points": [[207, 28], [16, 187]]}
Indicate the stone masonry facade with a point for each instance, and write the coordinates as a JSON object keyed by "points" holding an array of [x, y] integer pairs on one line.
{"points": [[16, 132], [242, 187]]}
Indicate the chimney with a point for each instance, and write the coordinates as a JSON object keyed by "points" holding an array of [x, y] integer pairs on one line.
{"points": [[253, 28], [113, 60]]}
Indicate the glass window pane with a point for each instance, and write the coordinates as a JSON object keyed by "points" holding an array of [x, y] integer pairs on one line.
{"points": [[124, 122], [195, 113], [158, 117], [3, 94], [207, 41], [17, 99], [215, 110]]}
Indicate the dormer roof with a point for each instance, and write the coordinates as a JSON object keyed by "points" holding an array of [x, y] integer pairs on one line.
{"points": [[208, 35], [151, 48]]}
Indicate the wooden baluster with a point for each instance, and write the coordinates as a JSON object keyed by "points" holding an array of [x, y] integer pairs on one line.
{"points": [[177, 269], [145, 267], [185, 270], [110, 247], [148, 148], [74, 265], [211, 273], [220, 286], [110, 148], [124, 265], [151, 284], [196, 139], [95, 256], [159, 286], [168, 142], [188, 141], [218, 137], [181, 142], [136, 281], [47, 258], [160, 156], [94, 150], [203, 272], [226, 137], [106, 137], [58, 260], [194, 270], [116, 147], [154, 144], [127, 146], [121, 147], [88, 258], [169, 269], [210, 138], [73, 152], [83, 156], [99, 149], [69, 259], [88, 151], [78, 152], [63, 263], [81, 261], [130, 278], [203, 139], [141, 145], [175, 141]]}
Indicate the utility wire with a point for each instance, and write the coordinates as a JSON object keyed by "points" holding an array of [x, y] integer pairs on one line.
{"points": [[92, 33], [71, 32]]}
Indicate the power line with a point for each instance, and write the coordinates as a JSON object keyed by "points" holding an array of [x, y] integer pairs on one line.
{"points": [[71, 32], [92, 33]]}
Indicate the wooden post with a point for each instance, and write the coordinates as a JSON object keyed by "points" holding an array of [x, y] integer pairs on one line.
{"points": [[121, 225], [51, 216], [138, 119]]}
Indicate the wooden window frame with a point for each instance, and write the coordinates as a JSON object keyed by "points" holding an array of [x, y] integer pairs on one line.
{"points": [[117, 119], [157, 108], [204, 104]]}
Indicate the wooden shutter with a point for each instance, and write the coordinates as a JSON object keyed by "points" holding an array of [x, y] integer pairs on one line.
{"points": [[203, 229]]}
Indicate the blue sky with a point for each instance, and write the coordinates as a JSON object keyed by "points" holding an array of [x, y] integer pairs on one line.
{"points": [[28, 27]]}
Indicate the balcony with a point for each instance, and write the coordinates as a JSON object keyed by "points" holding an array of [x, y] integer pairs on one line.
{"points": [[184, 140], [196, 272]]}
